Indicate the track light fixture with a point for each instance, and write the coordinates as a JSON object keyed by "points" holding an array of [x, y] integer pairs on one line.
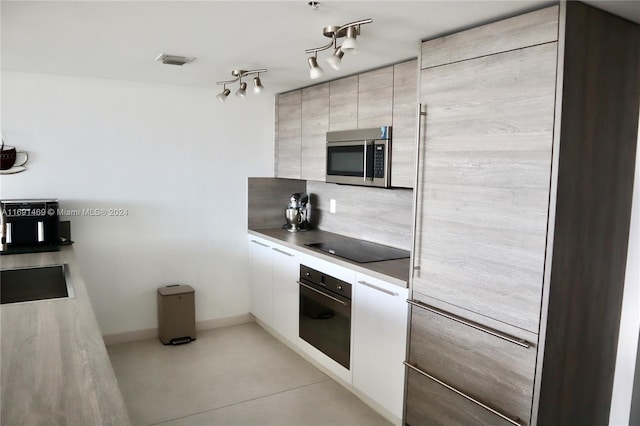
{"points": [[350, 31], [242, 89]]}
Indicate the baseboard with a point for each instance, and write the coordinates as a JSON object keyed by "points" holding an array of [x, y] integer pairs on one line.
{"points": [[150, 333]]}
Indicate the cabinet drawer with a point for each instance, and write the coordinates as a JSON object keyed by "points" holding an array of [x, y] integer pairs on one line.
{"points": [[430, 403], [476, 360]]}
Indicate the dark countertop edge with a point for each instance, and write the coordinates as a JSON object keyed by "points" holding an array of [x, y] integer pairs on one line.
{"points": [[395, 272]]}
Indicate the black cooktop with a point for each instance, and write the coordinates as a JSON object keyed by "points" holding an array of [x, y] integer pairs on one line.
{"points": [[360, 251]]}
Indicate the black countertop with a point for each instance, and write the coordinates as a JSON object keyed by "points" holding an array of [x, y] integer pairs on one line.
{"points": [[393, 271]]}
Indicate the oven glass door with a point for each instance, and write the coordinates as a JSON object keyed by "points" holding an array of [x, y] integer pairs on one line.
{"points": [[325, 322]]}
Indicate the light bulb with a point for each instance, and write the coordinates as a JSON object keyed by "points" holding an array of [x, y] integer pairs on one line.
{"points": [[242, 91], [223, 96], [315, 71], [349, 45], [335, 60], [257, 85]]}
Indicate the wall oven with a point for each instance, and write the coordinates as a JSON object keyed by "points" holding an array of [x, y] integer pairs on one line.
{"points": [[325, 314], [359, 157]]}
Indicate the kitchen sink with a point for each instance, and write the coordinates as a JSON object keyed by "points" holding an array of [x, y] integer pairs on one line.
{"points": [[35, 283]]}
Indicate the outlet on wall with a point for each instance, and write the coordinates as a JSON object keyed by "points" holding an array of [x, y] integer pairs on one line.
{"points": [[332, 206]]}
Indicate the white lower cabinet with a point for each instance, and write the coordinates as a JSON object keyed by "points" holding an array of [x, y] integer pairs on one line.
{"points": [[286, 300], [260, 281], [379, 341], [273, 279], [378, 319]]}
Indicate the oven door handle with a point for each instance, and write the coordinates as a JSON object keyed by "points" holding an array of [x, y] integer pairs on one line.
{"points": [[324, 294]]}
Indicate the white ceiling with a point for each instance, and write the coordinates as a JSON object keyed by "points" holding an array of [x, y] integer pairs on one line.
{"points": [[120, 40]]}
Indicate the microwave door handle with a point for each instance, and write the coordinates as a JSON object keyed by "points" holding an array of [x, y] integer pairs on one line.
{"points": [[364, 167], [368, 160]]}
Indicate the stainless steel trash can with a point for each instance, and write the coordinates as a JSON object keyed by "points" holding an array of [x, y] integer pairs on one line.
{"points": [[176, 314]]}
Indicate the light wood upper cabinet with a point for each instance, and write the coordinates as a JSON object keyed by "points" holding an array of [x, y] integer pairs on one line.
{"points": [[403, 151], [288, 136], [343, 103], [520, 31], [375, 98], [315, 124]]}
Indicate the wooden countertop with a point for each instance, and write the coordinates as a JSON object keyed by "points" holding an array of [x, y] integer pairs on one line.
{"points": [[54, 365], [393, 271]]}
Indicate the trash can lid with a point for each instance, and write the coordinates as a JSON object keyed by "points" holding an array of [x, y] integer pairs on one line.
{"points": [[172, 290]]}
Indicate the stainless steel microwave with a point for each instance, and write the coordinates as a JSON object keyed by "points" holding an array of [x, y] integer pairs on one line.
{"points": [[360, 157]]}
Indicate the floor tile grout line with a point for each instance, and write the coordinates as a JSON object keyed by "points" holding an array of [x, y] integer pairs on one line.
{"points": [[241, 402]]}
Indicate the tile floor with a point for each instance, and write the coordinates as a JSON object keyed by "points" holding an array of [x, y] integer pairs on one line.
{"points": [[238, 375]]}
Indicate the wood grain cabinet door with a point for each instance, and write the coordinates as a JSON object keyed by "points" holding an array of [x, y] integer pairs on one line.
{"points": [[315, 124], [375, 98], [484, 179], [430, 403], [343, 103], [403, 148], [491, 367], [288, 135]]}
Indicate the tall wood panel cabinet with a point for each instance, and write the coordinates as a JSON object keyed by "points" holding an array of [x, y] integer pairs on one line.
{"points": [[315, 124], [288, 135], [526, 165], [403, 154]]}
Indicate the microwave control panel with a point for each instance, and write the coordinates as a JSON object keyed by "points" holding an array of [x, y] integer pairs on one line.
{"points": [[378, 161]]}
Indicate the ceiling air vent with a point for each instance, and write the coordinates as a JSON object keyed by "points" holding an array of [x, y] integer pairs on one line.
{"points": [[173, 59]]}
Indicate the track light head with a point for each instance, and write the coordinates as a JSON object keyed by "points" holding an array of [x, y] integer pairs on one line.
{"points": [[223, 96], [257, 85], [335, 60], [349, 45], [314, 69], [242, 90]]}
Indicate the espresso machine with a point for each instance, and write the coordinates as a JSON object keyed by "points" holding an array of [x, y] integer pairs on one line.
{"points": [[296, 213]]}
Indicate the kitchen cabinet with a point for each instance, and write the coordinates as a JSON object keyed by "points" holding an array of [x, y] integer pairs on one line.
{"points": [[315, 124], [431, 403], [478, 361], [525, 175], [379, 341], [288, 135], [381, 97], [375, 98], [484, 182], [286, 269], [260, 281], [405, 83], [273, 276], [343, 103]]}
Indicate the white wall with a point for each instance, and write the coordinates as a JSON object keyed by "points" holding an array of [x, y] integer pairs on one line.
{"points": [[630, 319], [174, 157]]}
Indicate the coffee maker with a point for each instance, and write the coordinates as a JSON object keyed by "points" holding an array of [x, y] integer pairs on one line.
{"points": [[296, 213]]}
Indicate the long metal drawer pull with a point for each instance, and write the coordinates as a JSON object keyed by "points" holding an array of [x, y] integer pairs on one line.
{"points": [[375, 287], [283, 252], [260, 244], [462, 394], [477, 326], [322, 293]]}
